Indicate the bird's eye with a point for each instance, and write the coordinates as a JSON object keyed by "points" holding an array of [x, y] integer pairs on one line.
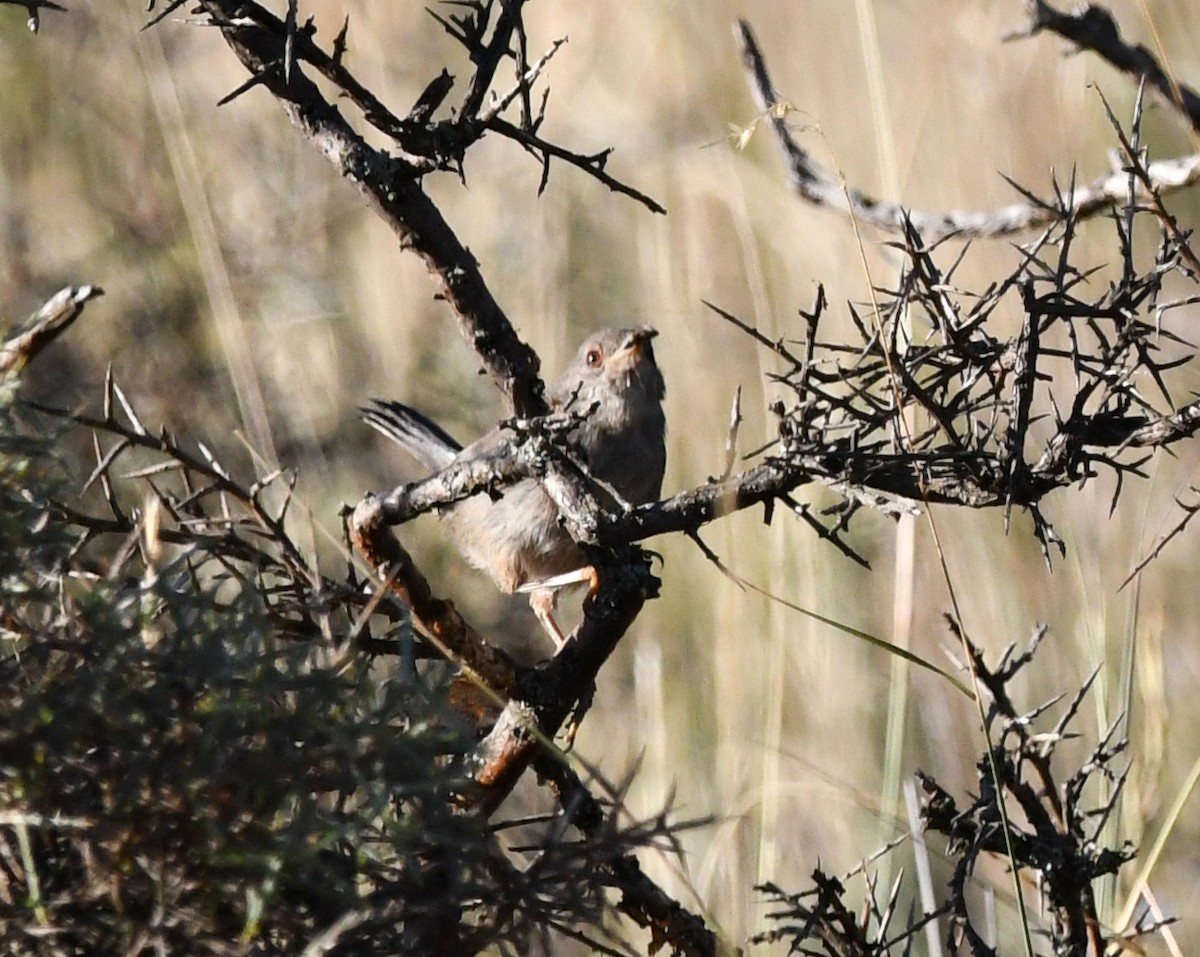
{"points": [[594, 358]]}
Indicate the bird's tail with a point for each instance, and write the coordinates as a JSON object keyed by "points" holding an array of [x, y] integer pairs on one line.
{"points": [[425, 441]]}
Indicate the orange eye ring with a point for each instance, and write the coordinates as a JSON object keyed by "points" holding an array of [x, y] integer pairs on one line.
{"points": [[594, 358]]}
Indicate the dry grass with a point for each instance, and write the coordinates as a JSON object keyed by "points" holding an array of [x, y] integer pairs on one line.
{"points": [[248, 291]]}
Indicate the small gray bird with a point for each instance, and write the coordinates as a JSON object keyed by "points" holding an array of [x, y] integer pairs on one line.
{"points": [[518, 539]]}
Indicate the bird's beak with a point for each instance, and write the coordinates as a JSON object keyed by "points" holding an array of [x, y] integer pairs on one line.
{"points": [[636, 346]]}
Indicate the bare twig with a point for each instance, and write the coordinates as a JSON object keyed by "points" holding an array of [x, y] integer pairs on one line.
{"points": [[818, 186], [44, 326], [1093, 28], [34, 8]]}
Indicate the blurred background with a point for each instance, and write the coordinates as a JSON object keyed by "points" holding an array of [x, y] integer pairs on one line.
{"points": [[253, 301]]}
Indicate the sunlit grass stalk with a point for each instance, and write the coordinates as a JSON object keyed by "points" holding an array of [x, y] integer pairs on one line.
{"points": [[904, 537], [942, 559]]}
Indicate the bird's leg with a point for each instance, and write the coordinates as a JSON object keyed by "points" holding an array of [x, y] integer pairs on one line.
{"points": [[543, 597], [542, 601]]}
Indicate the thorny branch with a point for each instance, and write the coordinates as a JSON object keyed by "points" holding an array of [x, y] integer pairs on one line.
{"points": [[225, 526], [276, 53], [642, 900], [951, 413], [393, 187], [1059, 838], [996, 422], [1056, 839], [974, 395], [33, 8], [1091, 28], [195, 520], [392, 182]]}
